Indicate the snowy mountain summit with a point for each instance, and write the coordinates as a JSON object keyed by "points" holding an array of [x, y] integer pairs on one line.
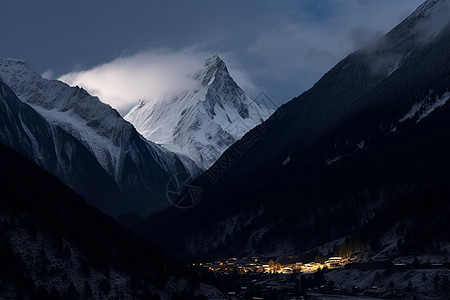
{"points": [[201, 122]]}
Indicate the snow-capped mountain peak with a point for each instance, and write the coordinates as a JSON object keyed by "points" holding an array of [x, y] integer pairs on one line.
{"points": [[202, 122], [214, 66]]}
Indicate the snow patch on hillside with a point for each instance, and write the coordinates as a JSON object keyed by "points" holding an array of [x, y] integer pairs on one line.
{"points": [[424, 108]]}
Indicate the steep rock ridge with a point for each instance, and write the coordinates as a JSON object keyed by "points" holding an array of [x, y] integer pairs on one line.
{"points": [[140, 168], [52, 148]]}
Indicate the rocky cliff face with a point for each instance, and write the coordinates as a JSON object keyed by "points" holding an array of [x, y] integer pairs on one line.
{"points": [[138, 169]]}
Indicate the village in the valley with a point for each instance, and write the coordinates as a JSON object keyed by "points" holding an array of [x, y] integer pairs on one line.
{"points": [[290, 278], [263, 278], [260, 265]]}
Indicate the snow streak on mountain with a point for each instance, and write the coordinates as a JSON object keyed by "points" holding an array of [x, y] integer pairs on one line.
{"points": [[200, 123]]}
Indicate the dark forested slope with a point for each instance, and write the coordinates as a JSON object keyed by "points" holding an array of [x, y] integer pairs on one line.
{"points": [[55, 245]]}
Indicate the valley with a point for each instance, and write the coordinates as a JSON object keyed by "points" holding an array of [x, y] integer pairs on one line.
{"points": [[164, 170]]}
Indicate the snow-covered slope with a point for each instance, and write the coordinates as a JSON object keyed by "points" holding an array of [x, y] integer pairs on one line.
{"points": [[203, 122], [140, 168]]}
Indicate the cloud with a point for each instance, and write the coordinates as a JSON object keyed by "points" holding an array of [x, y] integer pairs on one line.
{"points": [[363, 34], [48, 74], [148, 75], [384, 54], [145, 75], [298, 50], [295, 55], [283, 47]]}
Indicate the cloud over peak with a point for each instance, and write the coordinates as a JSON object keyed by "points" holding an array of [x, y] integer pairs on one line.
{"points": [[147, 75]]}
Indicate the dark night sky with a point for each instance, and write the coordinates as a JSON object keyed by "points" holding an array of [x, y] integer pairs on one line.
{"points": [[279, 47]]}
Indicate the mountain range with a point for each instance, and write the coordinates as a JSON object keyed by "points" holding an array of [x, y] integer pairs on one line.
{"points": [[362, 154], [85, 143], [78, 135], [53, 244]]}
